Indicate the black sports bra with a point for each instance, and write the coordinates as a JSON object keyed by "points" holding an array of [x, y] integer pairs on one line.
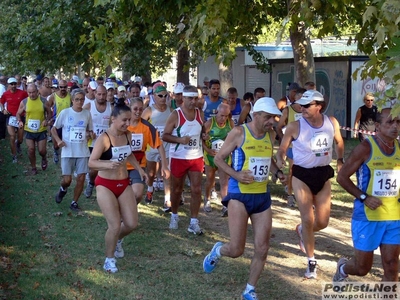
{"points": [[116, 153]]}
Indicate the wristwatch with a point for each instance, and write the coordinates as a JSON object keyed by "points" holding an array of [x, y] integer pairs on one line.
{"points": [[363, 197]]}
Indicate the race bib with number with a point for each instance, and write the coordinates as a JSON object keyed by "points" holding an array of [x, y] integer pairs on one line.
{"points": [[77, 135], [193, 144], [99, 129], [120, 153], [217, 145], [160, 130], [235, 119], [137, 142], [12, 121], [259, 166], [385, 183], [33, 125], [321, 144]]}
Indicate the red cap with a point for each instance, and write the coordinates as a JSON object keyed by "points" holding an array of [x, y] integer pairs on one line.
{"points": [[70, 84]]}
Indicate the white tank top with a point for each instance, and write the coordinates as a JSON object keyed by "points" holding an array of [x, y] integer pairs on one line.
{"points": [[158, 119], [194, 148], [313, 146], [100, 120]]}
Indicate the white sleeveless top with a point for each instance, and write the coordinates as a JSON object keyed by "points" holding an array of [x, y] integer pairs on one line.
{"points": [[100, 120], [194, 148], [158, 119], [313, 146]]}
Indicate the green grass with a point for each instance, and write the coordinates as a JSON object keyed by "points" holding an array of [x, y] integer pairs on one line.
{"points": [[48, 252]]}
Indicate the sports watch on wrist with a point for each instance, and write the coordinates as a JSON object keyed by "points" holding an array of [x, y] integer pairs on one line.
{"points": [[363, 197]]}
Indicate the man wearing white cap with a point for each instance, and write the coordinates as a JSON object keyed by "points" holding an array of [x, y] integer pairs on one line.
{"points": [[110, 87], [90, 91], [251, 147], [312, 154], [10, 101], [177, 100]]}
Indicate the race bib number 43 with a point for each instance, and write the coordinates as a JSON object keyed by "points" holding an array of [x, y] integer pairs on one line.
{"points": [[33, 125], [386, 183], [259, 166]]}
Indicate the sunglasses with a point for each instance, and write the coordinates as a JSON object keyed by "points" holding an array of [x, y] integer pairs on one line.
{"points": [[62, 87], [13, 83], [307, 105], [162, 96]]}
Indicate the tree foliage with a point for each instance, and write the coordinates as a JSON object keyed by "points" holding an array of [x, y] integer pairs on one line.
{"points": [[380, 38]]}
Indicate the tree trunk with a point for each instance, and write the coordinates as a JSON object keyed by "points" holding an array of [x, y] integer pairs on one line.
{"points": [[182, 66], [302, 53], [225, 78]]}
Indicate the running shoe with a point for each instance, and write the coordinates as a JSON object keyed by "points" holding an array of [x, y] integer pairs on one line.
{"points": [[110, 265], [149, 198], [44, 164], [173, 224], [60, 195], [291, 201], [214, 194], [311, 271], [207, 205], [224, 211], [250, 295], [195, 228], [74, 207], [299, 233], [34, 171], [338, 277], [119, 251], [89, 190], [211, 260]]}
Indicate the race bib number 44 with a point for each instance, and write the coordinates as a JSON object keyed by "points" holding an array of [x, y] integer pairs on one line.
{"points": [[321, 144], [259, 166], [386, 183]]}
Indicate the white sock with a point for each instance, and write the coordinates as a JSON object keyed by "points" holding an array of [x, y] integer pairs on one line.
{"points": [[150, 189], [218, 251], [194, 221], [249, 287], [109, 258], [310, 258], [341, 271], [175, 216]]}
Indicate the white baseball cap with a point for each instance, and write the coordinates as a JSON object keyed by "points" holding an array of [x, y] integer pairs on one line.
{"points": [[310, 96], [178, 88], [11, 80], [110, 85], [268, 105], [93, 85], [121, 88]]}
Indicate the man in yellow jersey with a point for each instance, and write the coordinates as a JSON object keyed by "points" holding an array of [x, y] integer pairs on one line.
{"points": [[251, 146], [217, 129], [376, 217], [37, 117], [59, 101]]}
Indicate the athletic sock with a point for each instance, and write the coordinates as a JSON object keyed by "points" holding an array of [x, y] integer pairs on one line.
{"points": [[150, 189], [341, 271], [249, 288]]}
